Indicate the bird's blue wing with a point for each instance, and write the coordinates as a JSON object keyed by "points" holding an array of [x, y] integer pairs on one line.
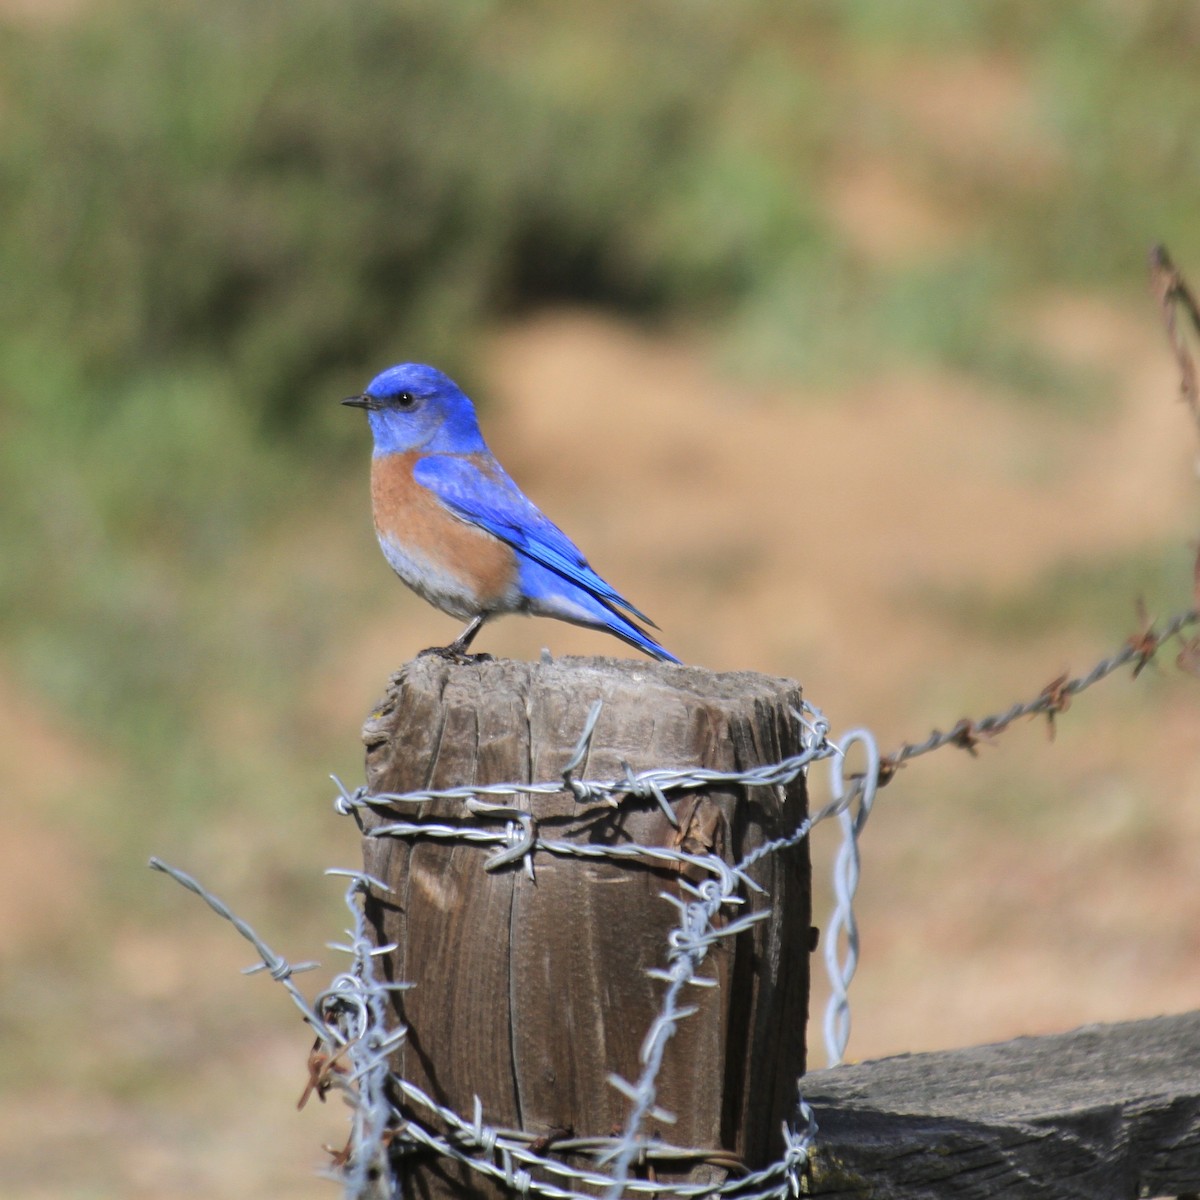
{"points": [[492, 501]]}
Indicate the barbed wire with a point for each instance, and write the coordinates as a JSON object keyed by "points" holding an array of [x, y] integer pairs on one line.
{"points": [[1053, 700], [353, 1054], [354, 1044], [1172, 293]]}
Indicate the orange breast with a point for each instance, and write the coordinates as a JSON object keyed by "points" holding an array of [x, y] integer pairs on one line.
{"points": [[457, 566]]}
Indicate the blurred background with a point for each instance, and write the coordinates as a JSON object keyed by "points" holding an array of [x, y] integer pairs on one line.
{"points": [[824, 329]]}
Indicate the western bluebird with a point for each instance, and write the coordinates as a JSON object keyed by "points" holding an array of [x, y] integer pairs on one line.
{"points": [[459, 532]]}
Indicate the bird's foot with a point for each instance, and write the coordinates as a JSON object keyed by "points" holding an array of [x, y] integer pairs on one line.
{"points": [[453, 654]]}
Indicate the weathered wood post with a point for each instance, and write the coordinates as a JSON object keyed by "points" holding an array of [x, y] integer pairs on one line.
{"points": [[529, 993]]}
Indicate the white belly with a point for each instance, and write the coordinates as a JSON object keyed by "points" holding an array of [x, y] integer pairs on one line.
{"points": [[442, 588]]}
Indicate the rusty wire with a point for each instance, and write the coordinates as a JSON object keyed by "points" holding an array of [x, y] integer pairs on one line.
{"points": [[1053, 700], [1172, 293]]}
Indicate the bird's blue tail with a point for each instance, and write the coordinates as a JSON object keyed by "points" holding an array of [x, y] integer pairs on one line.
{"points": [[627, 631], [550, 595]]}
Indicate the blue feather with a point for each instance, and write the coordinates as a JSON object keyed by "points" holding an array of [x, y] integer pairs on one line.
{"points": [[493, 501]]}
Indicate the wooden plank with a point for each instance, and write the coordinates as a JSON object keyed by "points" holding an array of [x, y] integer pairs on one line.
{"points": [[1107, 1111], [529, 993]]}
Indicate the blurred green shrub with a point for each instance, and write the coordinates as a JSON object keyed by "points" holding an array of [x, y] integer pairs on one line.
{"points": [[297, 191], [218, 215], [290, 193]]}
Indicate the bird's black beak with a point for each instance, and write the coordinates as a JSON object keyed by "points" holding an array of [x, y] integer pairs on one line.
{"points": [[363, 401]]}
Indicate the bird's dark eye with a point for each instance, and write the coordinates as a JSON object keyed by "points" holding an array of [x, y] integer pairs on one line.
{"points": [[404, 400]]}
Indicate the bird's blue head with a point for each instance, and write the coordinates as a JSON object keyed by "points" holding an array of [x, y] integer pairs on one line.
{"points": [[415, 407]]}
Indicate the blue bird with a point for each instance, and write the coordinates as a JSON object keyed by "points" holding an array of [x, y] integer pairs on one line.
{"points": [[459, 532]]}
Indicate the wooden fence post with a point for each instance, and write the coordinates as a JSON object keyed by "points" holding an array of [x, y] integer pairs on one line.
{"points": [[528, 993]]}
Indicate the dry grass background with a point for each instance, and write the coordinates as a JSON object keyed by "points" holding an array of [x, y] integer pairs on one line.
{"points": [[864, 540]]}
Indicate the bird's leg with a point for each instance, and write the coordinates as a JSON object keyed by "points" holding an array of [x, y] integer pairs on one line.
{"points": [[462, 643], [457, 650]]}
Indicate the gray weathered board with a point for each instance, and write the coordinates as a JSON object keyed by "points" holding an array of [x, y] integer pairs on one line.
{"points": [[529, 993], [1108, 1112]]}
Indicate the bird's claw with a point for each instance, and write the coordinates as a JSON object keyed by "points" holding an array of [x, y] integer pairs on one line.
{"points": [[455, 655]]}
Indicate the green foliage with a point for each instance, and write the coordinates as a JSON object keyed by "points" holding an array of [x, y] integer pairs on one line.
{"points": [[289, 190], [219, 216], [294, 191], [1088, 593]]}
